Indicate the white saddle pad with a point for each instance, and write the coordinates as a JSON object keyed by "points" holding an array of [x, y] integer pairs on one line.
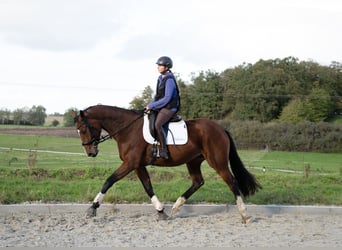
{"points": [[176, 135]]}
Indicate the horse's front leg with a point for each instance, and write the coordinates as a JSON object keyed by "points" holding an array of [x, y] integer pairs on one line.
{"points": [[121, 172], [146, 182]]}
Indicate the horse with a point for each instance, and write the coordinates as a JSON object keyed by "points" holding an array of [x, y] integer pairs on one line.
{"points": [[207, 140]]}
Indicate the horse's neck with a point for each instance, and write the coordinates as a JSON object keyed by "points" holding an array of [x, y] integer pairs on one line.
{"points": [[115, 119]]}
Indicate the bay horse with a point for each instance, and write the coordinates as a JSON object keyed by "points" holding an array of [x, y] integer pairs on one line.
{"points": [[206, 141]]}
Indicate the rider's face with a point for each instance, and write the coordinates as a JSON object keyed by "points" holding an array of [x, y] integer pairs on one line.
{"points": [[162, 69]]}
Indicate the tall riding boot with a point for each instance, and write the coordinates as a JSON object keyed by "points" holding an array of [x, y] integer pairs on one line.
{"points": [[162, 140]]}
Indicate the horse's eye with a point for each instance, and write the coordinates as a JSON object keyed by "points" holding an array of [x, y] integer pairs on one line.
{"points": [[81, 132]]}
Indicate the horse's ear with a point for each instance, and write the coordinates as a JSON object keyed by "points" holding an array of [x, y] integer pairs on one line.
{"points": [[81, 113], [73, 114]]}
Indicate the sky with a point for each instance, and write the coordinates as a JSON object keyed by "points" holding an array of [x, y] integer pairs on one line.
{"points": [[64, 54]]}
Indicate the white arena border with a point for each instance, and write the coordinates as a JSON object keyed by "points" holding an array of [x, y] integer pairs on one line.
{"points": [[186, 210]]}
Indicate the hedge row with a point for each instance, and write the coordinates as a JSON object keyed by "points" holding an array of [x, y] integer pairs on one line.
{"points": [[305, 136]]}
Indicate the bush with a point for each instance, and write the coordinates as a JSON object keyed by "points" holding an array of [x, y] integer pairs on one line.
{"points": [[55, 123], [304, 136]]}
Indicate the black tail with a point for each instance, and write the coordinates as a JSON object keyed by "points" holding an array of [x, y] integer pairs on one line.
{"points": [[248, 185]]}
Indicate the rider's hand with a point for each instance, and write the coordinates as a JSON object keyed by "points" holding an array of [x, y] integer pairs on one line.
{"points": [[147, 110]]}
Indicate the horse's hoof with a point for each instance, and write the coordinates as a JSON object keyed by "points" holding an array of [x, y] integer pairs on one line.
{"points": [[174, 211], [246, 219], [91, 212], [176, 207], [162, 215]]}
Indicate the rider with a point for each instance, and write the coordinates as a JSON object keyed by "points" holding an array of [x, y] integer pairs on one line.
{"points": [[166, 100]]}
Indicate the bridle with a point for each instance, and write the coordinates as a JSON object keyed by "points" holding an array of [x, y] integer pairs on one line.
{"points": [[103, 138], [91, 128]]}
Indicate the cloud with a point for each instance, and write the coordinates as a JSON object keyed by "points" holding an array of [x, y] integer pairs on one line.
{"points": [[57, 25], [102, 46]]}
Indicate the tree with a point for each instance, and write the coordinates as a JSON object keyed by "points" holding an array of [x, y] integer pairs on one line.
{"points": [[186, 100], [294, 112], [67, 117], [315, 107], [262, 90], [259, 90], [4, 116], [318, 105], [37, 115], [139, 102], [21, 116], [204, 98]]}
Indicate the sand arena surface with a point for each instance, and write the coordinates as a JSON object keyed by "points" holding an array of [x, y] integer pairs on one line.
{"points": [[139, 226]]}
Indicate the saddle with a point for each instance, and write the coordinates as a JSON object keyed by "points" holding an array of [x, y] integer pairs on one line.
{"points": [[175, 130]]}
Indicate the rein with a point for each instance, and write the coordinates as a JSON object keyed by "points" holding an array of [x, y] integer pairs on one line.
{"points": [[104, 137], [97, 141]]}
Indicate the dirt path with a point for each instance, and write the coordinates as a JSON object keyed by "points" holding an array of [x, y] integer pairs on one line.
{"points": [[59, 131], [141, 227]]}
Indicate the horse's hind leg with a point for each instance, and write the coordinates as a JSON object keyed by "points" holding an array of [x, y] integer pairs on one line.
{"points": [[220, 163], [194, 168], [230, 180]]}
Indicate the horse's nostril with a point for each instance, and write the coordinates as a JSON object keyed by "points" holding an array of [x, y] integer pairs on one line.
{"points": [[91, 155]]}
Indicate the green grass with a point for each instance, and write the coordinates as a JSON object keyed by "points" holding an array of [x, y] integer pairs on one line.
{"points": [[318, 162], [50, 177], [336, 119]]}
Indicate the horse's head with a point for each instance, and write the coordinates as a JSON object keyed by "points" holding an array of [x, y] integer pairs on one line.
{"points": [[88, 131]]}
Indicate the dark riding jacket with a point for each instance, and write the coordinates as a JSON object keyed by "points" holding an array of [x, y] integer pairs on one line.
{"points": [[167, 93]]}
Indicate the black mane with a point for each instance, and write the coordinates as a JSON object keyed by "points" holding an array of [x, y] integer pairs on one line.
{"points": [[135, 111]]}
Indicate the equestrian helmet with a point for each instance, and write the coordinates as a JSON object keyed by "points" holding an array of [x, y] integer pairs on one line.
{"points": [[165, 61]]}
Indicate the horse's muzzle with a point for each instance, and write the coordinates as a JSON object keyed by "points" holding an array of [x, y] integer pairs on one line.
{"points": [[93, 152]]}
